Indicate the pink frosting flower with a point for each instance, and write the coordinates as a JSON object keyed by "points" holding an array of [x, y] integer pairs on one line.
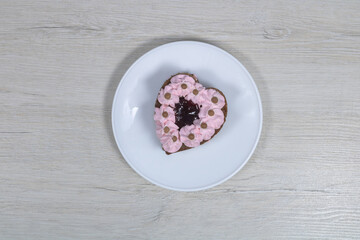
{"points": [[213, 117], [185, 88], [214, 98], [183, 84], [168, 96], [191, 136], [182, 78], [171, 142], [164, 114], [206, 130], [165, 128], [196, 95]]}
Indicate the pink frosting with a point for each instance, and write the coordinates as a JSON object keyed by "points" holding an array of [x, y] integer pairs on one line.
{"points": [[184, 92], [174, 97], [172, 86], [186, 131], [168, 143], [208, 94], [199, 99], [161, 126], [214, 121], [158, 116], [207, 132], [203, 99], [182, 78]]}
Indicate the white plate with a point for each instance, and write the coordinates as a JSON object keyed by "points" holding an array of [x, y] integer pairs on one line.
{"points": [[209, 164]]}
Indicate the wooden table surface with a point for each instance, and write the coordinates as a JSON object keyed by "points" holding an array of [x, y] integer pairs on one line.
{"points": [[62, 176]]}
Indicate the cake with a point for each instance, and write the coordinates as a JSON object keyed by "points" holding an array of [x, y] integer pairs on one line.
{"points": [[187, 114]]}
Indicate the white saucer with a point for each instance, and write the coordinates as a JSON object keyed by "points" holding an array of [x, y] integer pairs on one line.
{"points": [[209, 164]]}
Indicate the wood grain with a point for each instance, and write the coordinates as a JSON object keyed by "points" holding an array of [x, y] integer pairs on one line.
{"points": [[62, 177]]}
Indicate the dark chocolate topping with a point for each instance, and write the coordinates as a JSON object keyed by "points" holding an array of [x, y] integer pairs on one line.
{"points": [[186, 112]]}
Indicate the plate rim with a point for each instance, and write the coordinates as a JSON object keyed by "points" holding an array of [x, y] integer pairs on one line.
{"points": [[213, 184]]}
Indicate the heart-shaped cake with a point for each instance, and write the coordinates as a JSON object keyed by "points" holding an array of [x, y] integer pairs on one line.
{"points": [[187, 114]]}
